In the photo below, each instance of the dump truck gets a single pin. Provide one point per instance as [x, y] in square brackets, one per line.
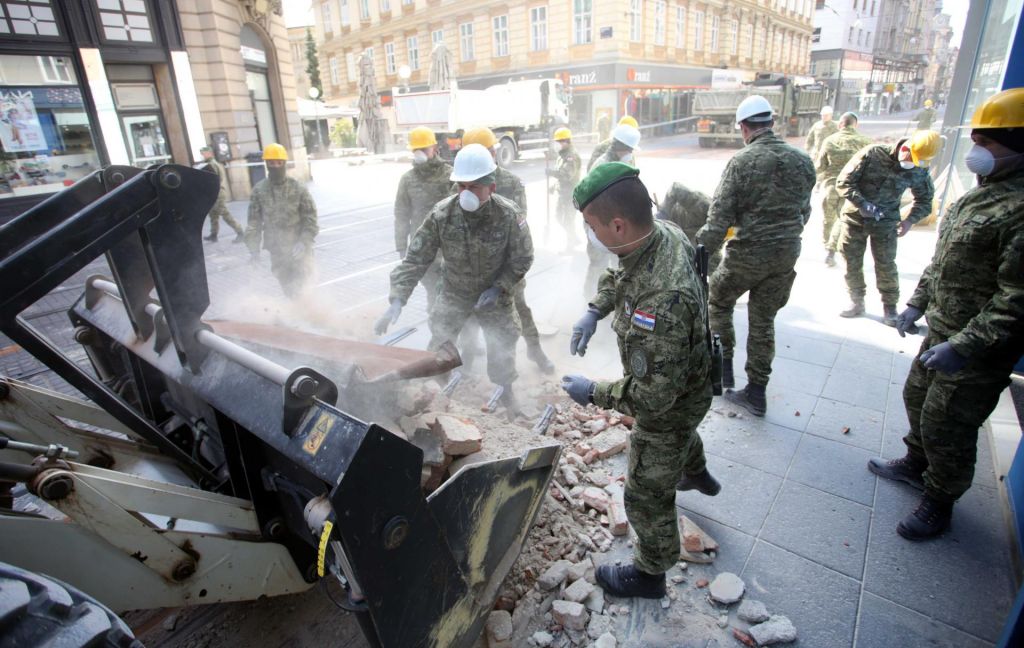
[207, 461]
[522, 114]
[797, 103]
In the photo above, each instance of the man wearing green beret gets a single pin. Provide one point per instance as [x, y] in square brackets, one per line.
[659, 317]
[220, 209]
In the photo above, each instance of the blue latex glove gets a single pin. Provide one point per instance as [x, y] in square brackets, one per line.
[389, 317]
[906, 320]
[488, 298]
[579, 388]
[943, 357]
[870, 210]
[582, 331]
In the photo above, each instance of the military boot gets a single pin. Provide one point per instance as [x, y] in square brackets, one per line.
[728, 378]
[511, 403]
[212, 238]
[906, 469]
[929, 520]
[239, 237]
[703, 482]
[830, 258]
[856, 309]
[750, 397]
[889, 315]
[535, 352]
[626, 581]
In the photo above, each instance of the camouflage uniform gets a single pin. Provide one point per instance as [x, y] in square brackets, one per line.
[874, 175]
[567, 173]
[820, 131]
[833, 154]
[598, 260]
[925, 118]
[765, 192]
[659, 310]
[220, 208]
[282, 214]
[481, 249]
[973, 296]
[420, 188]
[599, 151]
[689, 210]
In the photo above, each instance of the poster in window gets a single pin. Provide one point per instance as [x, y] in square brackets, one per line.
[19, 124]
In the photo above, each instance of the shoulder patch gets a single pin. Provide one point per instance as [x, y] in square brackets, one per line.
[522, 223]
[644, 320]
[638, 363]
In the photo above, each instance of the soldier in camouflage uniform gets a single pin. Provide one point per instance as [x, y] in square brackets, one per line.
[421, 187]
[688, 209]
[872, 183]
[486, 249]
[973, 296]
[606, 143]
[833, 154]
[220, 209]
[820, 131]
[282, 220]
[765, 192]
[567, 173]
[659, 317]
[926, 117]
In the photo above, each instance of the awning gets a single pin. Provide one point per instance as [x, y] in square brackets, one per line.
[309, 109]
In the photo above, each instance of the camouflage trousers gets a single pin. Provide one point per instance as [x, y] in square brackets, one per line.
[431, 283]
[767, 273]
[853, 243]
[470, 336]
[294, 275]
[657, 459]
[500, 325]
[945, 412]
[597, 262]
[567, 216]
[830, 206]
[219, 211]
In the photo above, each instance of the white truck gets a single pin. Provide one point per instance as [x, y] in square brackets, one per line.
[522, 114]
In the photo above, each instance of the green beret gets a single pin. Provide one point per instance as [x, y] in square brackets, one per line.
[600, 178]
[206, 149]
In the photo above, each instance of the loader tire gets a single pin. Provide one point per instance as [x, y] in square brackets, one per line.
[37, 610]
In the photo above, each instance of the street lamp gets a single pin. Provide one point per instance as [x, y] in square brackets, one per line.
[314, 94]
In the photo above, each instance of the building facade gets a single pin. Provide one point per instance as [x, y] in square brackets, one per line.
[627, 56]
[88, 83]
[844, 36]
[901, 53]
[939, 72]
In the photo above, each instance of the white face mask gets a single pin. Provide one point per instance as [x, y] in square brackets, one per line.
[592, 236]
[980, 161]
[419, 157]
[906, 166]
[468, 200]
[626, 158]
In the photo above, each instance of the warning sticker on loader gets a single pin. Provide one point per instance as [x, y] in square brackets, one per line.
[318, 434]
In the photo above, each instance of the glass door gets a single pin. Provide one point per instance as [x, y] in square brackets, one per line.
[146, 142]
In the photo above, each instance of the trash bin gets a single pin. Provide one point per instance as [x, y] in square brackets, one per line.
[257, 171]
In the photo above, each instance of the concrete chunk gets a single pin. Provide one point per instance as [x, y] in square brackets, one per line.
[618, 523]
[499, 629]
[570, 615]
[607, 640]
[600, 624]
[610, 442]
[459, 437]
[777, 629]
[596, 498]
[727, 588]
[752, 611]
[555, 575]
[578, 591]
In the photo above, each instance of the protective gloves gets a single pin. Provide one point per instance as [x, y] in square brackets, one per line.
[903, 228]
[298, 251]
[579, 388]
[943, 357]
[906, 320]
[582, 331]
[488, 298]
[870, 210]
[389, 317]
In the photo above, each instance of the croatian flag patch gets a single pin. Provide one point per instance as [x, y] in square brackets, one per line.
[643, 320]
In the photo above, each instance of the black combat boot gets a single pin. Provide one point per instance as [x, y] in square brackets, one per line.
[905, 469]
[928, 521]
[535, 352]
[856, 309]
[750, 397]
[508, 399]
[728, 378]
[889, 315]
[703, 482]
[626, 581]
[239, 237]
[830, 258]
[212, 238]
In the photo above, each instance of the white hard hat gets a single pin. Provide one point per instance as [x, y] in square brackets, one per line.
[753, 105]
[472, 163]
[826, 110]
[627, 135]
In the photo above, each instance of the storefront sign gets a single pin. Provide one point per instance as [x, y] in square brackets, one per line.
[638, 77]
[19, 124]
[254, 55]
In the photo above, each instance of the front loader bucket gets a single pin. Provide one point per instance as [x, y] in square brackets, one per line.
[431, 569]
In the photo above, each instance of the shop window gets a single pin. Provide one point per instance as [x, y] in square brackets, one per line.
[125, 20]
[28, 18]
[46, 140]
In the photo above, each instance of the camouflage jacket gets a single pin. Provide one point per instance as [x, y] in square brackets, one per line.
[510, 186]
[280, 215]
[973, 290]
[420, 188]
[213, 166]
[874, 175]
[820, 131]
[567, 169]
[836, 151]
[765, 192]
[686, 208]
[488, 247]
[598, 152]
[925, 118]
[660, 310]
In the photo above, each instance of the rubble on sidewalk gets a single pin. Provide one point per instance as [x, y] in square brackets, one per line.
[777, 629]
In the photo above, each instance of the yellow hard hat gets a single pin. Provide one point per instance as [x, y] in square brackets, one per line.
[482, 136]
[928, 103]
[562, 133]
[1003, 110]
[629, 121]
[924, 145]
[421, 137]
[274, 152]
